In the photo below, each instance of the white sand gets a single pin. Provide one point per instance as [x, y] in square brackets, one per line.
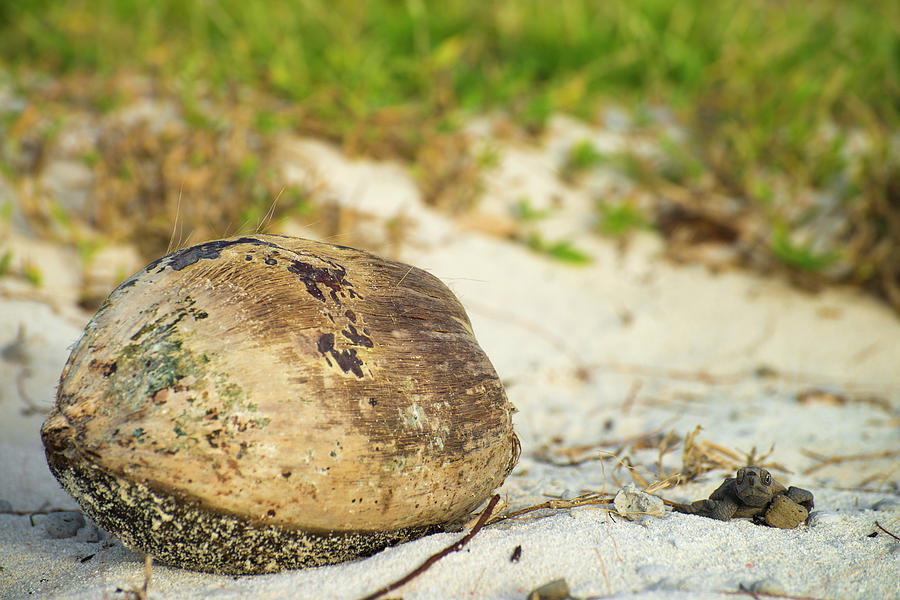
[638, 327]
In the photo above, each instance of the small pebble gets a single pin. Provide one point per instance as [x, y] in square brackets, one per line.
[64, 524]
[5, 506]
[557, 589]
[633, 504]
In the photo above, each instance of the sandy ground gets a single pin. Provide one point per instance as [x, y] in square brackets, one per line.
[628, 345]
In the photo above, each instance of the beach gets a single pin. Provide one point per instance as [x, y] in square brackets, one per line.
[612, 365]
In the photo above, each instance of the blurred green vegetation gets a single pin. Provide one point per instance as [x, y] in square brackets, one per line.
[772, 71]
[561, 250]
[806, 93]
[619, 219]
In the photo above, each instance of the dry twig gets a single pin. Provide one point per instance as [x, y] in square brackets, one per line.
[880, 478]
[878, 525]
[456, 546]
[632, 396]
[824, 461]
[141, 592]
[588, 498]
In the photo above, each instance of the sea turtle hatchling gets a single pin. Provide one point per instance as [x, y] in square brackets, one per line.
[753, 493]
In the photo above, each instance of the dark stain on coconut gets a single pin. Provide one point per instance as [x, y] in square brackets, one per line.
[356, 337]
[208, 251]
[347, 360]
[332, 278]
[326, 343]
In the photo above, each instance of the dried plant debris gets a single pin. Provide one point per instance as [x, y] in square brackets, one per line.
[697, 457]
[147, 172]
[141, 593]
[834, 398]
[587, 498]
[576, 455]
[808, 237]
[164, 160]
[716, 233]
[893, 535]
[700, 457]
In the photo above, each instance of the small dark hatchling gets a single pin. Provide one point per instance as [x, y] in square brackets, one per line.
[753, 493]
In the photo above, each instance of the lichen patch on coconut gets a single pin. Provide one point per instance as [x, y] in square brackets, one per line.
[177, 532]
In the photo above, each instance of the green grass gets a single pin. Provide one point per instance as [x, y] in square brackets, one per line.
[619, 219]
[770, 92]
[524, 211]
[800, 256]
[778, 68]
[582, 157]
[5, 262]
[33, 275]
[561, 250]
[758, 79]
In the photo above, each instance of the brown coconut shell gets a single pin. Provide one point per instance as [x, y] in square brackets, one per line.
[265, 402]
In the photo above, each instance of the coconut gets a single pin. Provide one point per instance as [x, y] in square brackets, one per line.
[264, 402]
